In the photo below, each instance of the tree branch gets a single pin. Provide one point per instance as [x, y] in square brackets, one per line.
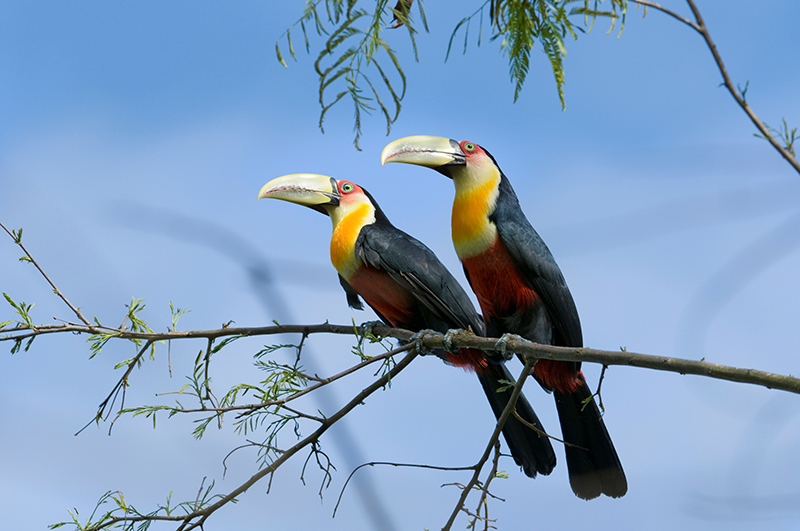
[700, 27]
[197, 518]
[396, 465]
[17, 237]
[248, 409]
[435, 341]
[648, 3]
[512, 402]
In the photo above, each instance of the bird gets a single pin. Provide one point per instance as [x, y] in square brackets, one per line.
[407, 286]
[521, 291]
[404, 7]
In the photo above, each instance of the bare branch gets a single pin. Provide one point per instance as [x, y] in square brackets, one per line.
[682, 366]
[247, 409]
[633, 359]
[431, 341]
[700, 27]
[196, 519]
[397, 465]
[512, 401]
[18, 241]
[105, 407]
[648, 3]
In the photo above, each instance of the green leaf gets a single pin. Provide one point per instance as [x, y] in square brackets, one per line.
[177, 313]
[23, 310]
[787, 136]
[507, 384]
[280, 57]
[349, 56]
[519, 24]
[269, 349]
[98, 341]
[452, 35]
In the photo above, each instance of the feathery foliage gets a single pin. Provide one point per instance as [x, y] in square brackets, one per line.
[355, 61]
[23, 310]
[521, 23]
[785, 135]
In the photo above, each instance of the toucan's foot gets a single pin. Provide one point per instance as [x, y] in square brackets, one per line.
[451, 334]
[417, 340]
[500, 346]
[366, 332]
[366, 327]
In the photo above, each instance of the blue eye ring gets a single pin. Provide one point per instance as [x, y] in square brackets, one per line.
[347, 187]
[469, 146]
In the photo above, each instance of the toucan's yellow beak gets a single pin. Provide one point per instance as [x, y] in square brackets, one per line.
[423, 150]
[307, 189]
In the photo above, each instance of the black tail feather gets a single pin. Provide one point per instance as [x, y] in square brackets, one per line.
[592, 461]
[531, 450]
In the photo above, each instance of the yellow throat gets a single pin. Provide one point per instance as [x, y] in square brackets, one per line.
[477, 187]
[348, 220]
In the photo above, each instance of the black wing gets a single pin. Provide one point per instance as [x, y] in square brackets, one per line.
[353, 300]
[537, 265]
[412, 265]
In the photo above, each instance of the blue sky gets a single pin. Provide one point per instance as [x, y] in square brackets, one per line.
[136, 135]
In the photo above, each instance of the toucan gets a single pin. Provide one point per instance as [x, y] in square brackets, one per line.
[408, 287]
[521, 291]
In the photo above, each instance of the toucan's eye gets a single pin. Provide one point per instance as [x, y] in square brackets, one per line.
[469, 146]
[347, 188]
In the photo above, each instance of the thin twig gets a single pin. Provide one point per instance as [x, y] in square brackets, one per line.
[736, 95]
[225, 459]
[303, 415]
[251, 408]
[207, 378]
[248, 409]
[700, 27]
[599, 386]
[483, 501]
[76, 311]
[399, 465]
[648, 3]
[542, 433]
[199, 492]
[196, 519]
[112, 396]
[512, 401]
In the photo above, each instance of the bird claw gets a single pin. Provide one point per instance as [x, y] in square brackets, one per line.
[500, 346]
[366, 331]
[366, 327]
[447, 340]
[417, 340]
